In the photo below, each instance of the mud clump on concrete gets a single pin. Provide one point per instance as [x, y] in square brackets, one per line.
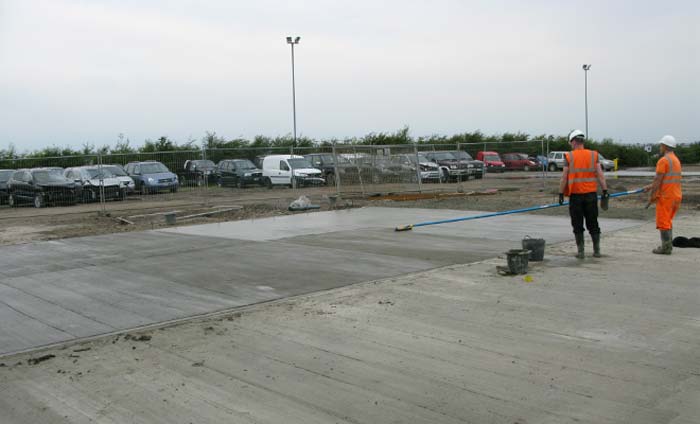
[138, 338]
[40, 359]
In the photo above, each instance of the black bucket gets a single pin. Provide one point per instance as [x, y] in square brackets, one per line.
[518, 260]
[536, 248]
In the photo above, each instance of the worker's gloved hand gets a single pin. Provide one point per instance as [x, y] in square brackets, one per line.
[604, 200]
[561, 198]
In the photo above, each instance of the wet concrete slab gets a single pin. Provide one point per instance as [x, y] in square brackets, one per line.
[601, 340]
[61, 290]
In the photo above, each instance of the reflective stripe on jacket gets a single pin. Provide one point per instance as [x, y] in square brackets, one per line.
[670, 167]
[582, 171]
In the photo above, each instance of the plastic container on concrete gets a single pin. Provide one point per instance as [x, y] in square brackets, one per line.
[536, 248]
[518, 260]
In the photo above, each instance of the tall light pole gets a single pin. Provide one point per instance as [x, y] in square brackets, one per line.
[293, 41]
[586, 68]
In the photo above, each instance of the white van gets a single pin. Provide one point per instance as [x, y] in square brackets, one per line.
[279, 169]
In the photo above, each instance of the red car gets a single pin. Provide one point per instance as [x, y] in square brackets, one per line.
[518, 161]
[492, 162]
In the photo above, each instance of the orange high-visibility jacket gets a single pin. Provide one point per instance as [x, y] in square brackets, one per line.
[670, 166]
[582, 165]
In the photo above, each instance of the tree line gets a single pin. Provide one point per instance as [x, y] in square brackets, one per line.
[628, 154]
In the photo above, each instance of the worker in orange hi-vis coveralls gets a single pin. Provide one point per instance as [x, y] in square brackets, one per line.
[665, 191]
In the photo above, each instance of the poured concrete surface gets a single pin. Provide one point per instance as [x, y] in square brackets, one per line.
[62, 290]
[610, 340]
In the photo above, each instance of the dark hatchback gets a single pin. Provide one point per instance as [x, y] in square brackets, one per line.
[238, 172]
[197, 172]
[5, 175]
[41, 187]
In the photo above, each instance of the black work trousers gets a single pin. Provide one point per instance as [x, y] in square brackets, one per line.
[584, 207]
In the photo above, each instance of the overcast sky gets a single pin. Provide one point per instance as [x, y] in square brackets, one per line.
[75, 71]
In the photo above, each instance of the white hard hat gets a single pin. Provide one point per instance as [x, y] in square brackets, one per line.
[576, 134]
[668, 140]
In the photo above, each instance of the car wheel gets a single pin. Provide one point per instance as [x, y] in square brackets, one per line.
[526, 169]
[39, 201]
[11, 201]
[240, 184]
[268, 182]
[330, 179]
[143, 189]
[552, 167]
[219, 183]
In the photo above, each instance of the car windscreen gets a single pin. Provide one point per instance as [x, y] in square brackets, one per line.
[299, 163]
[522, 156]
[48, 177]
[5, 175]
[494, 158]
[114, 171]
[404, 159]
[244, 165]
[153, 168]
[94, 173]
[203, 164]
[462, 155]
[443, 156]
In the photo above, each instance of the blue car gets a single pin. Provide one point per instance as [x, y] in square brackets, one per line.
[152, 177]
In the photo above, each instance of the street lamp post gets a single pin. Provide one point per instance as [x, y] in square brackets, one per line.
[586, 68]
[293, 41]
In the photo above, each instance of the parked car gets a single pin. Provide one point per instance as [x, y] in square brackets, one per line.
[95, 181]
[237, 172]
[41, 187]
[347, 170]
[450, 167]
[492, 161]
[476, 167]
[429, 171]
[518, 161]
[606, 164]
[556, 160]
[383, 169]
[151, 176]
[290, 170]
[118, 172]
[5, 175]
[197, 172]
[540, 161]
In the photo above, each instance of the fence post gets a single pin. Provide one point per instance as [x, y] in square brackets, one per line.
[359, 173]
[415, 151]
[335, 171]
[103, 206]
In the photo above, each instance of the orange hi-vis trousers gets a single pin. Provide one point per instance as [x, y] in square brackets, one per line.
[666, 209]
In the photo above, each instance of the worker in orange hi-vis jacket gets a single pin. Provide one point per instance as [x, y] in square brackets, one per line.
[665, 191]
[580, 179]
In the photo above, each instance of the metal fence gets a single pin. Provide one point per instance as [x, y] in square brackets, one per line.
[329, 170]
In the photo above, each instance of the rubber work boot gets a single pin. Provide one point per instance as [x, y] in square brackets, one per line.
[596, 245]
[666, 243]
[579, 245]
